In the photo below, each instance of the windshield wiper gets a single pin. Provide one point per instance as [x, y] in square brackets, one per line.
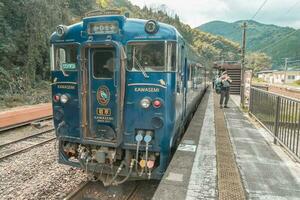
[140, 67]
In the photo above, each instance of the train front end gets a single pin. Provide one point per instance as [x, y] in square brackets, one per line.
[113, 83]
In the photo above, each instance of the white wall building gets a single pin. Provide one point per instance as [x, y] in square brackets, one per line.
[278, 77]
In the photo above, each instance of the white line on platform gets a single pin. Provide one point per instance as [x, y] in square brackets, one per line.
[202, 184]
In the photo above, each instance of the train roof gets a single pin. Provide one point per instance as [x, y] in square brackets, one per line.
[130, 29]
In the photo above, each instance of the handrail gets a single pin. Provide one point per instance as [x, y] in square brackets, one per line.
[280, 115]
[276, 94]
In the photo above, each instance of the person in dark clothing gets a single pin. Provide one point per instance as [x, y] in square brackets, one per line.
[226, 81]
[108, 69]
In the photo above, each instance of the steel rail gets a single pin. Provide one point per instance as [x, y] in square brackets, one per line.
[130, 195]
[27, 137]
[27, 148]
[78, 192]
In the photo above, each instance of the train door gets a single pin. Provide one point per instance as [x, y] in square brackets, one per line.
[104, 94]
[185, 70]
[183, 74]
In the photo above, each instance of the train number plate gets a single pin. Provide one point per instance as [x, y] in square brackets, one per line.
[104, 111]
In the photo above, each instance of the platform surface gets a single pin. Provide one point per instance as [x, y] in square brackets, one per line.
[267, 172]
[22, 115]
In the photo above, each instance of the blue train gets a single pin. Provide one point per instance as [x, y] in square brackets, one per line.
[123, 91]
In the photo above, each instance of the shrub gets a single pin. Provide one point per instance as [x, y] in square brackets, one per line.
[297, 82]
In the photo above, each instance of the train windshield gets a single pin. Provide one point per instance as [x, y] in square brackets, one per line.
[149, 56]
[64, 57]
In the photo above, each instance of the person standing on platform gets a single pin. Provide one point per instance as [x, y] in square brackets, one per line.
[225, 89]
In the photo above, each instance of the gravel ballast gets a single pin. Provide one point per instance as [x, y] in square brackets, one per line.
[36, 174]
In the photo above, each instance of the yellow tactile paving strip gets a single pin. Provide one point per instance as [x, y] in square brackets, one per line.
[230, 185]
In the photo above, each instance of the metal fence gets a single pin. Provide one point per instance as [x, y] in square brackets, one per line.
[280, 115]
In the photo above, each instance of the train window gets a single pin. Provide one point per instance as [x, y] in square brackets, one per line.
[171, 57]
[103, 63]
[65, 57]
[147, 56]
[191, 71]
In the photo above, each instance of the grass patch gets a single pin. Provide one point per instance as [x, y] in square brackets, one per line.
[41, 93]
[258, 80]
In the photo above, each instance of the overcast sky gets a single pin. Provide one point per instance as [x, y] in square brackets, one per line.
[197, 12]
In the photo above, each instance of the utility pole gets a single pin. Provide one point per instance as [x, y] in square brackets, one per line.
[285, 68]
[244, 27]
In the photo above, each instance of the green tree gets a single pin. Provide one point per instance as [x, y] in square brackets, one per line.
[258, 61]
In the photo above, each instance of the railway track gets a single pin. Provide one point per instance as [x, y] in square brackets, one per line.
[26, 143]
[131, 190]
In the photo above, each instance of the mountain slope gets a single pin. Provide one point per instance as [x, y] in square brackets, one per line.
[270, 39]
[208, 45]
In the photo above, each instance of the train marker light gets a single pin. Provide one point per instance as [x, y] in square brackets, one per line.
[150, 164]
[56, 98]
[151, 26]
[143, 163]
[145, 103]
[156, 103]
[64, 98]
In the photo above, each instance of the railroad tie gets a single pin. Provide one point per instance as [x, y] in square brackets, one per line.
[230, 185]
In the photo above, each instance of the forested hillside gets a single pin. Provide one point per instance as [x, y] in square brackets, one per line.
[270, 39]
[208, 45]
[25, 28]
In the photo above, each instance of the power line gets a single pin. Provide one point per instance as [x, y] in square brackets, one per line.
[291, 33]
[291, 8]
[259, 9]
[274, 44]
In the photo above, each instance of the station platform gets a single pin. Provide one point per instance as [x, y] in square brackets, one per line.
[225, 154]
[23, 115]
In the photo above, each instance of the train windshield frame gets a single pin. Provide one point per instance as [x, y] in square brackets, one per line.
[64, 57]
[151, 56]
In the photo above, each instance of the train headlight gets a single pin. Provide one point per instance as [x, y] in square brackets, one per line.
[151, 26]
[61, 30]
[145, 102]
[64, 98]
